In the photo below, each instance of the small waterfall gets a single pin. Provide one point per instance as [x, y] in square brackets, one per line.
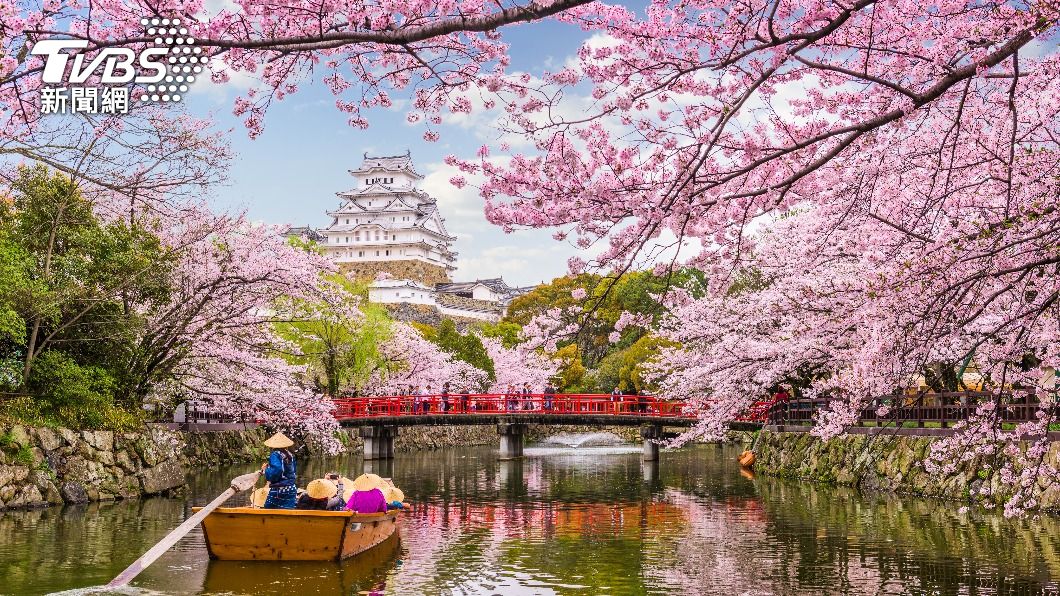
[576, 440]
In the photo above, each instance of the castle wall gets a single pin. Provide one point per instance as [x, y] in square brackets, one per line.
[425, 273]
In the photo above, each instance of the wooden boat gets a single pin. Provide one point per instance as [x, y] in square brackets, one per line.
[363, 572]
[252, 534]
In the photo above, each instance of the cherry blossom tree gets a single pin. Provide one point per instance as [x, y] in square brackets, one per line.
[214, 339]
[414, 361]
[518, 365]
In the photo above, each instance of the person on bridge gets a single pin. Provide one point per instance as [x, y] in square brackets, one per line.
[511, 401]
[528, 397]
[445, 397]
[465, 400]
[550, 396]
[428, 395]
[280, 472]
[417, 399]
[616, 399]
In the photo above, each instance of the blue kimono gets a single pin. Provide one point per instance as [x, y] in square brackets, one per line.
[283, 488]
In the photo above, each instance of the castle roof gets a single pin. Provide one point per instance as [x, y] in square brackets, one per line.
[496, 284]
[388, 163]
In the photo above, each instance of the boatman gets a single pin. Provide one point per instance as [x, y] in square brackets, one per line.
[280, 472]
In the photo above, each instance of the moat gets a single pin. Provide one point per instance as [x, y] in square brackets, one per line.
[593, 520]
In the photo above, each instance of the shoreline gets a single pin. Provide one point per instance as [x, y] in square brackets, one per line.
[43, 467]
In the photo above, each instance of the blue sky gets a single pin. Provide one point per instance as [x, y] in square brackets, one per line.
[290, 174]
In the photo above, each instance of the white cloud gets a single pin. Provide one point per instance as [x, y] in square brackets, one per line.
[238, 83]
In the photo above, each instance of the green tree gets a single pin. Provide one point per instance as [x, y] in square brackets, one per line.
[506, 331]
[73, 291]
[467, 347]
[339, 341]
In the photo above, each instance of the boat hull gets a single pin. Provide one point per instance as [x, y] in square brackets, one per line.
[252, 534]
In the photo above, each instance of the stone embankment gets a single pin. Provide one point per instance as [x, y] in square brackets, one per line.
[417, 438]
[887, 462]
[45, 466]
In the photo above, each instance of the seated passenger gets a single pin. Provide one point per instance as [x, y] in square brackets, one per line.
[367, 495]
[394, 497]
[323, 495]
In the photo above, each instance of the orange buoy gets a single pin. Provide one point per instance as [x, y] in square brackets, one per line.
[747, 459]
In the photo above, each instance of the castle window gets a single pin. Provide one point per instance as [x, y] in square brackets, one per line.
[356, 236]
[360, 253]
[347, 221]
[377, 235]
[347, 239]
[366, 181]
[388, 253]
[377, 253]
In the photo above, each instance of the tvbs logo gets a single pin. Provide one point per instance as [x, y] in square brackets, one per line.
[160, 73]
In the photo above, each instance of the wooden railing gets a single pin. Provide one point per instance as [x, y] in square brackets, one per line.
[920, 409]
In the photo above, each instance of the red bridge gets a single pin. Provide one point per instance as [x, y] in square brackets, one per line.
[380, 417]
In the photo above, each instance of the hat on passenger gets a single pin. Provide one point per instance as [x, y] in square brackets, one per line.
[347, 488]
[366, 482]
[279, 441]
[393, 493]
[321, 488]
[258, 497]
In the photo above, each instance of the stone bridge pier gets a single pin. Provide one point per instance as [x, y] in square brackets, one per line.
[651, 433]
[379, 441]
[512, 436]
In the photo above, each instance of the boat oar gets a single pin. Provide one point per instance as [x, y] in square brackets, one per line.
[239, 484]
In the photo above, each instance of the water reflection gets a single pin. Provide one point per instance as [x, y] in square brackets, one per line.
[589, 521]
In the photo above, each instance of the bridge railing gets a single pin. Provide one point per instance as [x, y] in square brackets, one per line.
[920, 409]
[494, 403]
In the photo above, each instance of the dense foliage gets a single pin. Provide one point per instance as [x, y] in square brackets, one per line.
[592, 333]
[74, 290]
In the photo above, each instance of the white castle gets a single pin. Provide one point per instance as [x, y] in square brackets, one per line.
[386, 218]
[389, 230]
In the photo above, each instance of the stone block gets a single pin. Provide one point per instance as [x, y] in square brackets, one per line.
[127, 462]
[12, 475]
[19, 436]
[105, 457]
[101, 440]
[48, 439]
[73, 492]
[47, 488]
[167, 475]
[70, 437]
[27, 496]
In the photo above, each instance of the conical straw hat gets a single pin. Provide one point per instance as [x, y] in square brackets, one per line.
[321, 488]
[393, 493]
[347, 488]
[258, 497]
[368, 482]
[278, 441]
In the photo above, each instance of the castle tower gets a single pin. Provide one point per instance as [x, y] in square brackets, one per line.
[387, 224]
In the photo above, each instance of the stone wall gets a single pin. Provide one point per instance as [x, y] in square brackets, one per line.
[884, 462]
[409, 269]
[466, 303]
[420, 438]
[426, 314]
[44, 466]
